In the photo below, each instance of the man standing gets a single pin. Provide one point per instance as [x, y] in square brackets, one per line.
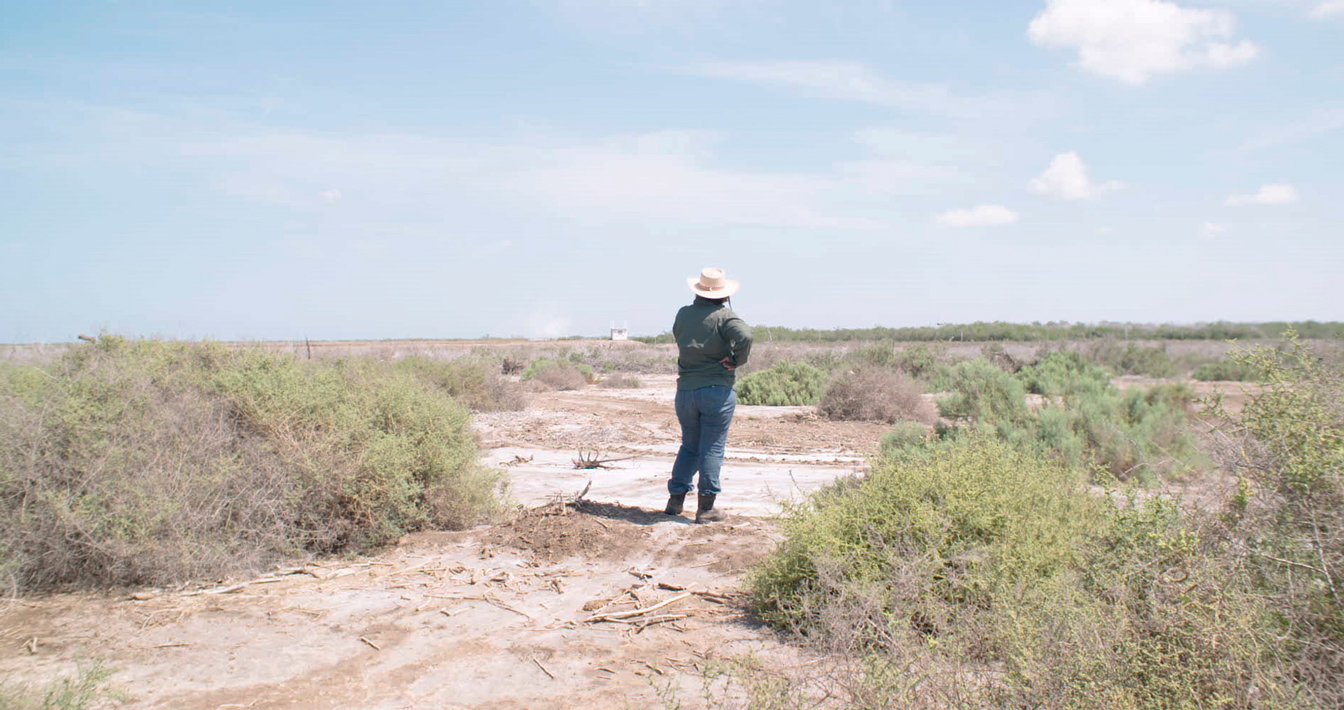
[712, 342]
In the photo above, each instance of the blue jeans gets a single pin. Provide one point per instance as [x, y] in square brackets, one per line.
[704, 415]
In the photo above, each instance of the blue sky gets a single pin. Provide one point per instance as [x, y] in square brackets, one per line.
[545, 167]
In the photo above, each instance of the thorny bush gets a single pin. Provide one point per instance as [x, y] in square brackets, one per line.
[130, 462]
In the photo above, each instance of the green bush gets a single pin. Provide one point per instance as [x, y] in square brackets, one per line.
[150, 462]
[1287, 448]
[979, 553]
[784, 384]
[1063, 372]
[917, 360]
[474, 383]
[903, 437]
[1134, 359]
[982, 393]
[1088, 423]
[1227, 370]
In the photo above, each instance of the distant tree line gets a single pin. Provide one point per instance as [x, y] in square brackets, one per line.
[981, 331]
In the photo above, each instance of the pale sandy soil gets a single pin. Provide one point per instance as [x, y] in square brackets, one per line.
[494, 617]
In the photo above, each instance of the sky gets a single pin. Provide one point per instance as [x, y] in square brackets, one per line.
[542, 168]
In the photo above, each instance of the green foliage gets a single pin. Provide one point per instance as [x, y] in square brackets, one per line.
[1087, 422]
[153, 462]
[88, 686]
[1038, 332]
[1287, 448]
[784, 384]
[903, 437]
[1063, 372]
[474, 383]
[1228, 370]
[983, 394]
[977, 550]
[1134, 359]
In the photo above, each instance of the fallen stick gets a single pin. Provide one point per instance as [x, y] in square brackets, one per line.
[636, 612]
[404, 570]
[650, 619]
[234, 587]
[376, 647]
[506, 607]
[543, 668]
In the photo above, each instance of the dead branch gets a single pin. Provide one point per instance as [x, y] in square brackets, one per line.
[593, 459]
[636, 612]
[234, 587]
[543, 668]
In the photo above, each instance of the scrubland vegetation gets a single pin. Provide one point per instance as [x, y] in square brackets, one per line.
[985, 568]
[1037, 332]
[130, 462]
[86, 688]
[1016, 547]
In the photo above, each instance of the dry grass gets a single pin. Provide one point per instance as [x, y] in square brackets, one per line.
[559, 376]
[142, 462]
[620, 382]
[876, 394]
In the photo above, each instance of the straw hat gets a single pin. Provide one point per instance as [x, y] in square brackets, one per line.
[711, 284]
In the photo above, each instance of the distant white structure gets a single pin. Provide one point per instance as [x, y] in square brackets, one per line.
[621, 333]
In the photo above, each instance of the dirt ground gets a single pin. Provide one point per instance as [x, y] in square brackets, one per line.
[544, 610]
[603, 603]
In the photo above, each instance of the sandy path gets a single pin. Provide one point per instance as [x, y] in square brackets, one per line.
[487, 618]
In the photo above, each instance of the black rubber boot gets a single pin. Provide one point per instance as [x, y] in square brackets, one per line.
[675, 503]
[705, 513]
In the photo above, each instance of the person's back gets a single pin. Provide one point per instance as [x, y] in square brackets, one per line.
[711, 342]
[709, 336]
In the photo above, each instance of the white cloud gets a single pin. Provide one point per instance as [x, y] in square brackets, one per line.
[332, 195]
[1268, 195]
[1135, 40]
[1210, 231]
[851, 81]
[1329, 8]
[980, 216]
[1105, 231]
[1066, 178]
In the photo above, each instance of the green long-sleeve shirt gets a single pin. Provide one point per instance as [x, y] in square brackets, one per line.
[707, 332]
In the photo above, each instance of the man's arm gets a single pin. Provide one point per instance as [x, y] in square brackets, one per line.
[738, 336]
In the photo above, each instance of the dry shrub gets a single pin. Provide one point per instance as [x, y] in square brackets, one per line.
[142, 462]
[876, 394]
[620, 382]
[994, 573]
[558, 374]
[473, 382]
[1286, 447]
[560, 377]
